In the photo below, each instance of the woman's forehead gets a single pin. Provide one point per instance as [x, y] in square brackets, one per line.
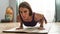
[22, 9]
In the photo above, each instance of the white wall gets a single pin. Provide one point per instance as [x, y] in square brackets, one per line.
[46, 7]
[3, 5]
[19, 1]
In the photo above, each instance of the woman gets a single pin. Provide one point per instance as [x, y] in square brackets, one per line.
[28, 18]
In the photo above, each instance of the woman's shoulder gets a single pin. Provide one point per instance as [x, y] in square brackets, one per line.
[38, 16]
[18, 18]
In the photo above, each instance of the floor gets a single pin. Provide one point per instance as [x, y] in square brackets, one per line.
[55, 28]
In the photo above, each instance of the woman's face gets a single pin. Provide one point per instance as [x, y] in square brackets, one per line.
[24, 12]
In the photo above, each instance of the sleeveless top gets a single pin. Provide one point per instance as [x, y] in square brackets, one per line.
[27, 23]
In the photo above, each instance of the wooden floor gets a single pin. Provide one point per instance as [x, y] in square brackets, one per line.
[55, 28]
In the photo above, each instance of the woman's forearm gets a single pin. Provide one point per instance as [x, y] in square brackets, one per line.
[21, 25]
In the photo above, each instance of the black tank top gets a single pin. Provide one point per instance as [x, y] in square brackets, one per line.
[32, 23]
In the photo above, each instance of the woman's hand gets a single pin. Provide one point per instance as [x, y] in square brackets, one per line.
[19, 28]
[41, 28]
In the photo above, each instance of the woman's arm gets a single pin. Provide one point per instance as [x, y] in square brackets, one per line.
[19, 20]
[41, 19]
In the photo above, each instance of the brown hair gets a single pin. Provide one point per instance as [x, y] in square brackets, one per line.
[26, 5]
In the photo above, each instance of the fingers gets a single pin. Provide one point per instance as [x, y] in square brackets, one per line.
[41, 28]
[18, 28]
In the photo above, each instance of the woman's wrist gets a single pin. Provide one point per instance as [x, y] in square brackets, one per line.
[41, 25]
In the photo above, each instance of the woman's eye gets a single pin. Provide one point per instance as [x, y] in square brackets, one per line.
[20, 12]
[25, 11]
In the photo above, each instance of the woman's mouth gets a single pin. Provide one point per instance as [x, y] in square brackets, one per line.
[24, 17]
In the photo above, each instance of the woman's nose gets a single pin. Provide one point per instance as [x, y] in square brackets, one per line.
[23, 14]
